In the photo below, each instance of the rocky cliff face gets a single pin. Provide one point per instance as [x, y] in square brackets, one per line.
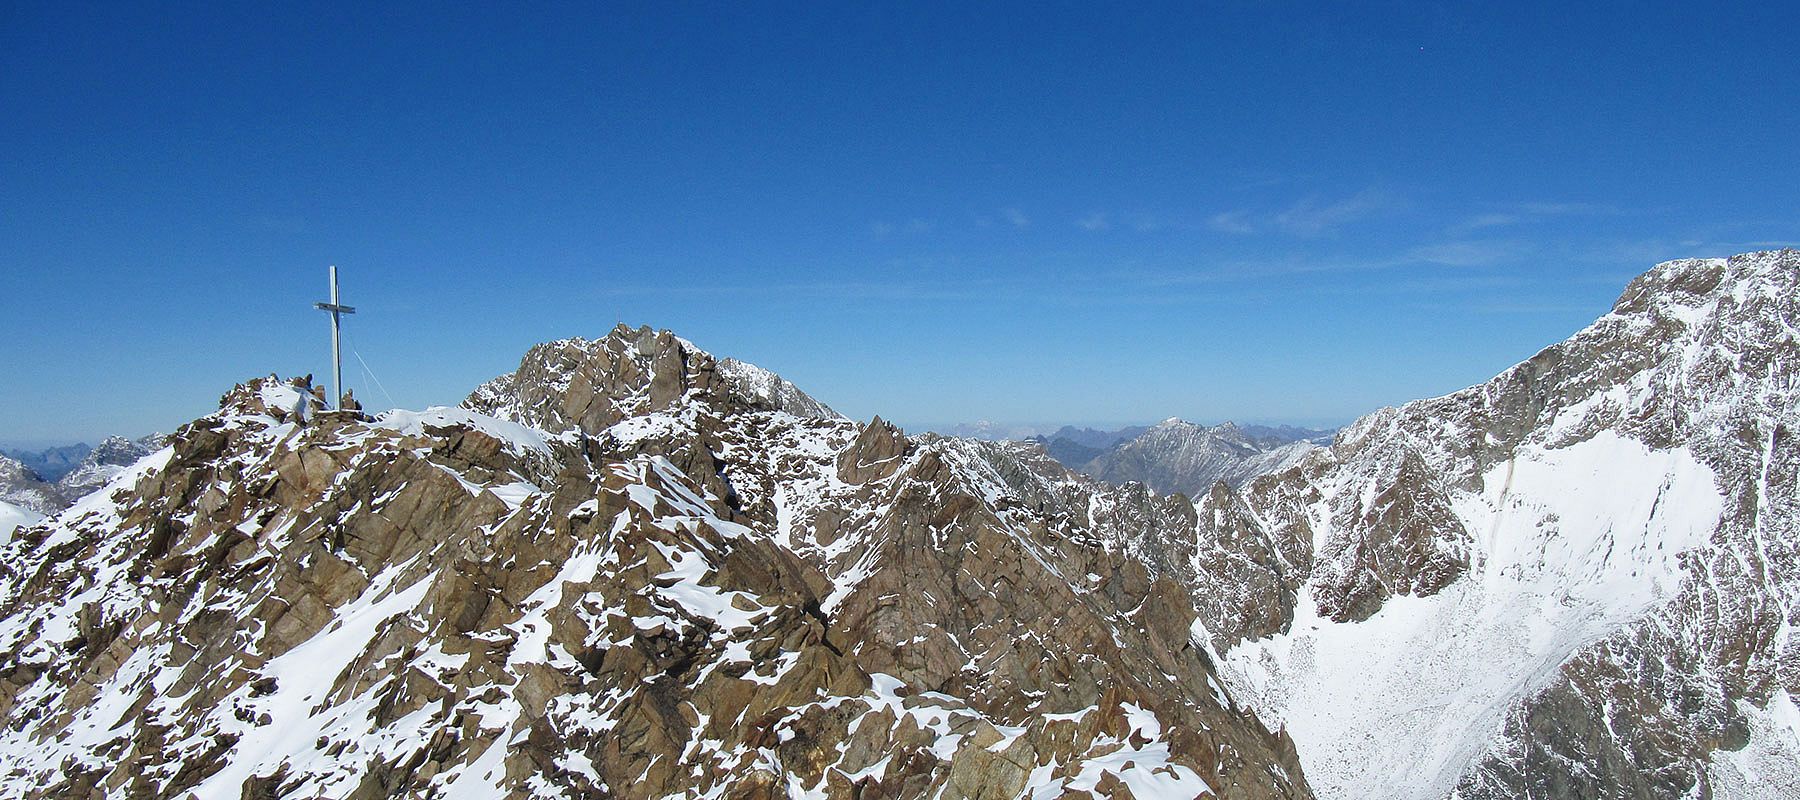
[1575, 580]
[626, 570]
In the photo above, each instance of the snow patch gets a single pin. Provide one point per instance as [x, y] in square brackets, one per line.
[13, 517]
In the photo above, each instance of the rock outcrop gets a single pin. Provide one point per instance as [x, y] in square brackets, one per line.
[591, 385]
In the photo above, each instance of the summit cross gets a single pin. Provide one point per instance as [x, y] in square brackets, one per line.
[337, 362]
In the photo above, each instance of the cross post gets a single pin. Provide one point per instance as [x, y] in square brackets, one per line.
[337, 362]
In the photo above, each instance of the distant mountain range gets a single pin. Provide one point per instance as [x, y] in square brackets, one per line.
[51, 480]
[1180, 456]
[51, 463]
[987, 431]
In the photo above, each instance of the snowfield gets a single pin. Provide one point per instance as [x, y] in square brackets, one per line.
[1570, 544]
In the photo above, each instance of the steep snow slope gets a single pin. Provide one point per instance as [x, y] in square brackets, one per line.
[1577, 579]
[1574, 543]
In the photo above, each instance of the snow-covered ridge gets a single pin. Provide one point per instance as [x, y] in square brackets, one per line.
[1180, 456]
[773, 390]
[616, 573]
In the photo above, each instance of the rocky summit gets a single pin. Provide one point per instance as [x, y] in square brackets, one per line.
[629, 569]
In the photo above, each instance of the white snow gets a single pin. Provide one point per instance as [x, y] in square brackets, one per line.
[1769, 766]
[687, 570]
[1144, 769]
[283, 395]
[13, 517]
[1569, 544]
[304, 678]
[521, 438]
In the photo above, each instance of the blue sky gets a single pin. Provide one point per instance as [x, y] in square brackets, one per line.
[1032, 213]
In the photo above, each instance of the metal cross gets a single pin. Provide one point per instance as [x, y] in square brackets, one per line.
[337, 363]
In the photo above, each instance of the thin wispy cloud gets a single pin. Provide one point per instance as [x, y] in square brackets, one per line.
[1015, 217]
[1478, 253]
[1526, 213]
[1307, 218]
[1481, 221]
[1311, 217]
[1252, 270]
[1148, 224]
[1139, 222]
[1570, 209]
[1235, 222]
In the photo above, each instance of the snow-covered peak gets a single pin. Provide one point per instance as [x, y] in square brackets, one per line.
[773, 391]
[23, 487]
[1684, 341]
